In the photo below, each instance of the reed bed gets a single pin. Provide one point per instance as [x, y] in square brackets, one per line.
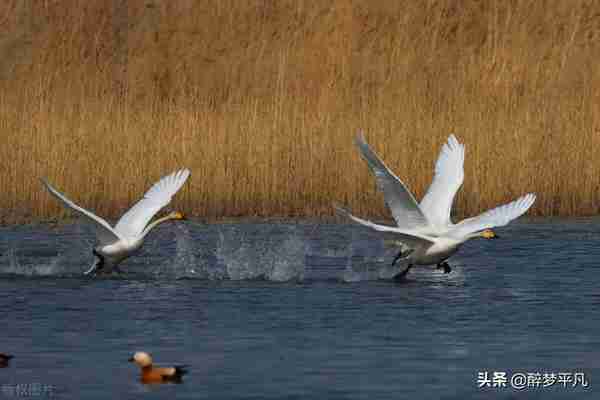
[262, 100]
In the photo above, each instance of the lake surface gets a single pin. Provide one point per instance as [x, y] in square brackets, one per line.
[296, 311]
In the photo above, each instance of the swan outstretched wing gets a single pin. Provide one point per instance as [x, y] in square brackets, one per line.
[133, 222]
[498, 216]
[401, 202]
[104, 232]
[408, 238]
[449, 176]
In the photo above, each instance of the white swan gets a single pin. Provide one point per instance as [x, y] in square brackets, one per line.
[425, 232]
[118, 243]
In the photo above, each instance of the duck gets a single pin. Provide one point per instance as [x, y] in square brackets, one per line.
[4, 359]
[424, 232]
[151, 374]
[115, 244]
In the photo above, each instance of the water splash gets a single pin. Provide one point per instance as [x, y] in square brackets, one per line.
[254, 257]
[365, 259]
[192, 259]
[66, 251]
[244, 251]
[288, 260]
[238, 258]
[13, 263]
[185, 262]
[354, 272]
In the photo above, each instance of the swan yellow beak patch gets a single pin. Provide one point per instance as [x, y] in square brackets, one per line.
[489, 234]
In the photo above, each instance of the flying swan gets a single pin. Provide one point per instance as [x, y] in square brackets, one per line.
[425, 232]
[118, 243]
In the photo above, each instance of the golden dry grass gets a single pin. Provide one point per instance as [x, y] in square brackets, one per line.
[262, 99]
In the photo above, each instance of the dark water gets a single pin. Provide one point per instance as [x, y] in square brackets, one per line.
[284, 311]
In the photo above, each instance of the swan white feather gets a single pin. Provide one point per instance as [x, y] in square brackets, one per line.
[133, 222]
[448, 178]
[118, 243]
[399, 199]
[427, 228]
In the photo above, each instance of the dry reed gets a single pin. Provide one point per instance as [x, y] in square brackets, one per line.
[262, 99]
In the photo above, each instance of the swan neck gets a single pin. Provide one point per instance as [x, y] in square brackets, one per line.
[154, 224]
[473, 235]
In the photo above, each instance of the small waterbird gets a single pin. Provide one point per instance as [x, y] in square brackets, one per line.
[116, 244]
[4, 359]
[425, 233]
[151, 374]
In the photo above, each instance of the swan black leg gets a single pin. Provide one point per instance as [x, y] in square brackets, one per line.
[399, 256]
[97, 265]
[445, 266]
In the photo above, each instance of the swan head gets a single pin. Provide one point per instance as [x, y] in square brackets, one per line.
[488, 234]
[141, 358]
[177, 215]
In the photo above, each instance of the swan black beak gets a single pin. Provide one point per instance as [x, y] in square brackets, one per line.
[130, 359]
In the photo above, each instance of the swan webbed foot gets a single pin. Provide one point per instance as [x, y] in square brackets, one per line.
[91, 270]
[445, 266]
[97, 265]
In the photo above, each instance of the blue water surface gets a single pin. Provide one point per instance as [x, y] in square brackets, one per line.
[296, 311]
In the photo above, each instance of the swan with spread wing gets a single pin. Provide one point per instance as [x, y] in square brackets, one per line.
[425, 232]
[119, 242]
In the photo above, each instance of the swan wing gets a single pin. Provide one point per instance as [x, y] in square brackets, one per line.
[498, 216]
[408, 238]
[104, 232]
[448, 178]
[401, 202]
[133, 222]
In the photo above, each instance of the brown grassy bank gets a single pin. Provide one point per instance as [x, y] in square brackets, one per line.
[261, 100]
